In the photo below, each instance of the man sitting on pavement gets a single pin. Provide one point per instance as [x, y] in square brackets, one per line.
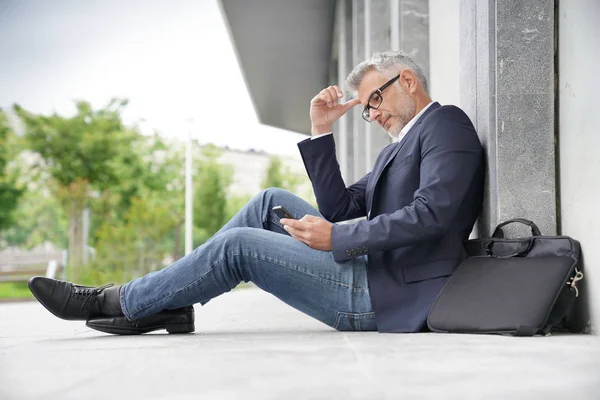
[381, 273]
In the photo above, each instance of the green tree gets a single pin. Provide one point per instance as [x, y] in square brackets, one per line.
[156, 184]
[81, 155]
[10, 193]
[211, 184]
[135, 245]
[38, 219]
[281, 176]
[235, 202]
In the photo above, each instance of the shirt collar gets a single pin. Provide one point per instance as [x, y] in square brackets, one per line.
[413, 121]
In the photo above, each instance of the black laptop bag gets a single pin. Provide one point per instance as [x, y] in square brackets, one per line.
[521, 287]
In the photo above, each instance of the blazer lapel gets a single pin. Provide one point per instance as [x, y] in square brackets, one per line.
[377, 174]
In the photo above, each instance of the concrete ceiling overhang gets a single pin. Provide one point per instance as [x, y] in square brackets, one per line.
[284, 49]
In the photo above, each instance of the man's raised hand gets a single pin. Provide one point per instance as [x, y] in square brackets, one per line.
[325, 109]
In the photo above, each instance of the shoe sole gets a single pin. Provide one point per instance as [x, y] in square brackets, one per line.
[173, 329]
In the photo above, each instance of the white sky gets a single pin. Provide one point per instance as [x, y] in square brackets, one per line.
[172, 59]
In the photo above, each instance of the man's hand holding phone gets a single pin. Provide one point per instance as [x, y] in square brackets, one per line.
[313, 231]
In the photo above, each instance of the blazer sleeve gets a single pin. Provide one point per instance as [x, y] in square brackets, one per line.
[336, 201]
[451, 154]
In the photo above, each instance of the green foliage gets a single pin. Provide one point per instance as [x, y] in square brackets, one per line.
[210, 195]
[10, 193]
[134, 246]
[151, 168]
[139, 220]
[38, 219]
[235, 204]
[82, 154]
[281, 176]
[83, 147]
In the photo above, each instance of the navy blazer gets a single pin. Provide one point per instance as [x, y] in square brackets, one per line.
[421, 201]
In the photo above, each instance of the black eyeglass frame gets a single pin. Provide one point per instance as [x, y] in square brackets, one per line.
[365, 114]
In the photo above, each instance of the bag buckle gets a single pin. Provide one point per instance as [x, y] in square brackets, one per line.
[573, 282]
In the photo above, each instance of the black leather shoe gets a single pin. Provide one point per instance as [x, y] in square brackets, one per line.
[65, 299]
[180, 320]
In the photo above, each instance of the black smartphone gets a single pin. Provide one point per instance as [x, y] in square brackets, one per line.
[281, 212]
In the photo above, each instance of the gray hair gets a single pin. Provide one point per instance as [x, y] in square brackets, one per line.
[388, 63]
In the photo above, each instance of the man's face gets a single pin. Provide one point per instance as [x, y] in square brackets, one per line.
[398, 106]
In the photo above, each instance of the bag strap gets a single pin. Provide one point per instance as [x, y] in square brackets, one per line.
[535, 231]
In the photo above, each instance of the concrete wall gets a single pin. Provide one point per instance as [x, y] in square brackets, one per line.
[579, 140]
[444, 63]
[507, 89]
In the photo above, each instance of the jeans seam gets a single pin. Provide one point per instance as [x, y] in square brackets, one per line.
[363, 315]
[222, 261]
[336, 322]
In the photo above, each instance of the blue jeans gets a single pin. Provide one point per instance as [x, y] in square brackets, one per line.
[253, 246]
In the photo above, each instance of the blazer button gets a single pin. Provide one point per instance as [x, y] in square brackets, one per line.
[365, 249]
[353, 252]
[348, 253]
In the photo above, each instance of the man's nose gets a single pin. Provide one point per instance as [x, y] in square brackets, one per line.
[374, 114]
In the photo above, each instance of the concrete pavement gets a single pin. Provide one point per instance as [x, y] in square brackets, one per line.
[250, 345]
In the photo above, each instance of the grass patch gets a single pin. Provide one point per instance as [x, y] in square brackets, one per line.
[14, 290]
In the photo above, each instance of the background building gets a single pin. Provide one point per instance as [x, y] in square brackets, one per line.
[522, 70]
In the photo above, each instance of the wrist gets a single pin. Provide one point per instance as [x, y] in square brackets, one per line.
[321, 129]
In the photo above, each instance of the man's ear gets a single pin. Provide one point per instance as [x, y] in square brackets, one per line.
[409, 81]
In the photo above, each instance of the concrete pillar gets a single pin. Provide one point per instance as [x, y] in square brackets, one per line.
[507, 89]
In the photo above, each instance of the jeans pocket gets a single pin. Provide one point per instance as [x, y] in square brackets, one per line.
[345, 321]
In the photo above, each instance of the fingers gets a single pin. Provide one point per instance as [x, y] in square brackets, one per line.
[297, 228]
[300, 239]
[335, 93]
[310, 218]
[298, 234]
[329, 96]
[296, 224]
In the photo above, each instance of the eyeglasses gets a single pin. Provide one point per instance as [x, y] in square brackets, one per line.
[375, 99]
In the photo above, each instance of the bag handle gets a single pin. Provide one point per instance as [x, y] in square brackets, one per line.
[535, 231]
[522, 252]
